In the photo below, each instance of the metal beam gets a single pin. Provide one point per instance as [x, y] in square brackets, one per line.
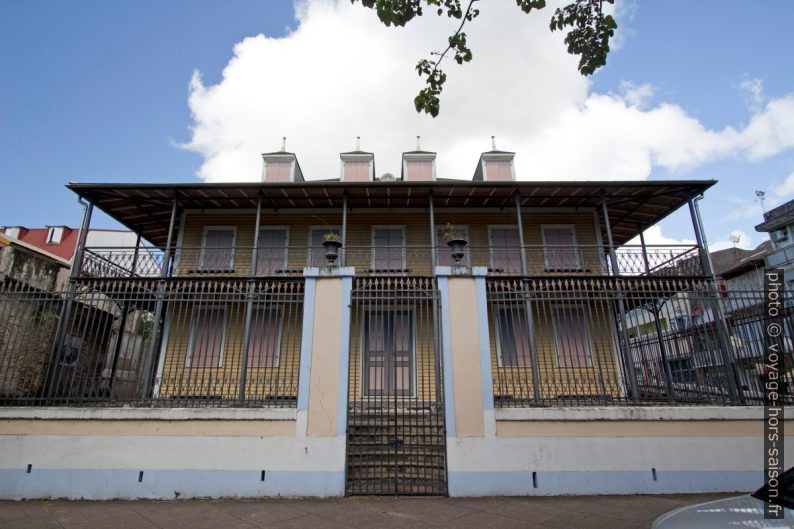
[249, 299]
[433, 249]
[717, 313]
[526, 297]
[628, 359]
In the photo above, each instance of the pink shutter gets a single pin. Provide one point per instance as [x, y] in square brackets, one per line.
[521, 333]
[356, 171]
[561, 253]
[272, 251]
[418, 171]
[505, 250]
[388, 249]
[573, 338]
[376, 354]
[402, 351]
[207, 337]
[498, 170]
[263, 345]
[278, 172]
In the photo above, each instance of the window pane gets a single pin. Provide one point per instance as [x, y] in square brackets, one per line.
[573, 338]
[208, 330]
[263, 345]
[272, 253]
[218, 251]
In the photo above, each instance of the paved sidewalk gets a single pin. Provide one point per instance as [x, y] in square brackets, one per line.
[572, 512]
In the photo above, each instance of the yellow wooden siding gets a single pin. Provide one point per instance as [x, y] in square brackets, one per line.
[602, 378]
[182, 381]
[417, 236]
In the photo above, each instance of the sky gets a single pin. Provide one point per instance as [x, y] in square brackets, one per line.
[193, 90]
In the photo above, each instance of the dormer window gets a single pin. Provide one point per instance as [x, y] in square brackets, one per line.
[419, 165]
[54, 234]
[12, 231]
[358, 165]
[495, 166]
[281, 166]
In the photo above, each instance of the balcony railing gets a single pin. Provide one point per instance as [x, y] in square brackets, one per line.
[622, 341]
[196, 262]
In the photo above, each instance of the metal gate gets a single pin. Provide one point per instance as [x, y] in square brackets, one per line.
[395, 422]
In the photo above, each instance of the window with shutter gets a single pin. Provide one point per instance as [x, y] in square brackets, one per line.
[514, 349]
[217, 252]
[559, 248]
[265, 340]
[207, 335]
[388, 249]
[505, 250]
[271, 256]
[572, 337]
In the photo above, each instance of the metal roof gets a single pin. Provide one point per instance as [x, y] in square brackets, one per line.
[633, 206]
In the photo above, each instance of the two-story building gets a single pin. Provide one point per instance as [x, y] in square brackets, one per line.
[408, 335]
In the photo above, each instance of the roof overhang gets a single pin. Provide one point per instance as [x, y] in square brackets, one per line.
[633, 206]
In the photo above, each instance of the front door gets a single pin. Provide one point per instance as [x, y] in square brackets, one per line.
[388, 352]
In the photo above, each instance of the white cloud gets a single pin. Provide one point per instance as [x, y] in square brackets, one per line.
[341, 74]
[753, 89]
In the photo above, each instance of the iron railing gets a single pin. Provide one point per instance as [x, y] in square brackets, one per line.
[622, 341]
[404, 260]
[395, 425]
[146, 342]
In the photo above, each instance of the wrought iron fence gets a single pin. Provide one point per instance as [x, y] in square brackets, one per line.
[402, 260]
[147, 342]
[622, 341]
[395, 427]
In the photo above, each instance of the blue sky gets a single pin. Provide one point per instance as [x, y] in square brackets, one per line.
[97, 91]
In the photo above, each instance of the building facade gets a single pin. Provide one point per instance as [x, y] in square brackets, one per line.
[393, 336]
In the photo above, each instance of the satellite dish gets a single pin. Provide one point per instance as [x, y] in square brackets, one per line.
[735, 238]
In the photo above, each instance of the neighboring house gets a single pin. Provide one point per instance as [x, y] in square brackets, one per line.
[693, 352]
[779, 224]
[322, 338]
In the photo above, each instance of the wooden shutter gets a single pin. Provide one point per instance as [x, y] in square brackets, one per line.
[265, 338]
[505, 250]
[207, 337]
[272, 252]
[218, 250]
[572, 337]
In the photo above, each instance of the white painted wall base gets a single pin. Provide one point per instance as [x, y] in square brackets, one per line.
[97, 467]
[605, 465]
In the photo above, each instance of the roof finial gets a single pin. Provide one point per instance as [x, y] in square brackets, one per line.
[418, 145]
[493, 143]
[358, 143]
[283, 144]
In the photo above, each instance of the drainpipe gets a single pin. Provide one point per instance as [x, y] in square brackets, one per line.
[69, 296]
[717, 313]
[628, 358]
[525, 295]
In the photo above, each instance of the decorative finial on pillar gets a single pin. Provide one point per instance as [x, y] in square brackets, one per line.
[493, 143]
[418, 145]
[284, 144]
[358, 143]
